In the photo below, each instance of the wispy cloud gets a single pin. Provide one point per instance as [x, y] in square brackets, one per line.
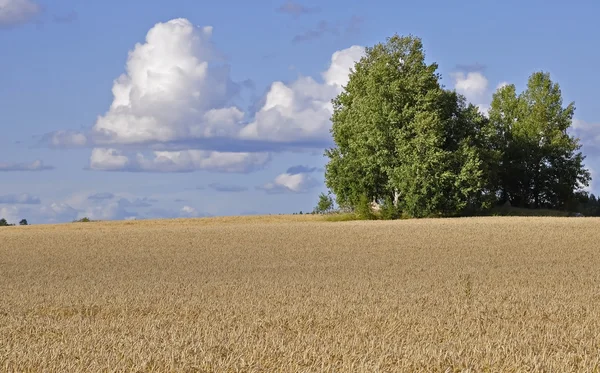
[475, 67]
[228, 188]
[324, 28]
[177, 162]
[17, 12]
[101, 196]
[66, 18]
[296, 179]
[137, 202]
[37, 165]
[301, 170]
[355, 24]
[296, 9]
[21, 199]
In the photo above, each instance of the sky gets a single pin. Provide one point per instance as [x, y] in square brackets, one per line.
[153, 109]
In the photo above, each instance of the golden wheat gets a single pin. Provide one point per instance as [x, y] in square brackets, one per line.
[296, 294]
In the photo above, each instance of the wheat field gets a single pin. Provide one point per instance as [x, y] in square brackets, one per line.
[298, 294]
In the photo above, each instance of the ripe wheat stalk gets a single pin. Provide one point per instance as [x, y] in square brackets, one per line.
[297, 294]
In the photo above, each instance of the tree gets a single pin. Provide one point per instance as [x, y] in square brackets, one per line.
[324, 205]
[23, 222]
[3, 223]
[541, 166]
[364, 210]
[398, 132]
[388, 210]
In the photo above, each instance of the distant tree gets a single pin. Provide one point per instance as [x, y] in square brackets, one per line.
[364, 210]
[325, 204]
[3, 223]
[23, 222]
[541, 165]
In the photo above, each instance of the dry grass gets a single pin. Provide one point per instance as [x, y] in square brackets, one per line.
[295, 294]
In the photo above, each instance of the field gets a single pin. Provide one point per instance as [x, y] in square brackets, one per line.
[297, 294]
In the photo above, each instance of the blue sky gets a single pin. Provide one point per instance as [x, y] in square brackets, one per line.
[233, 118]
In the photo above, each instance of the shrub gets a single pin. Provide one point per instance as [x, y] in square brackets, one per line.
[388, 211]
[363, 210]
[325, 204]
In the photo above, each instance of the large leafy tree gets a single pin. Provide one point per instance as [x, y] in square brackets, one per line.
[398, 132]
[369, 114]
[541, 165]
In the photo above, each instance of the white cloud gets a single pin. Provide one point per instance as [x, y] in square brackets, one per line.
[177, 161]
[64, 138]
[502, 85]
[588, 133]
[296, 9]
[15, 12]
[187, 211]
[342, 61]
[171, 90]
[37, 165]
[11, 214]
[173, 107]
[475, 87]
[109, 206]
[96, 206]
[21, 199]
[297, 179]
[113, 210]
[302, 109]
[472, 85]
[296, 183]
[175, 96]
[108, 160]
[55, 212]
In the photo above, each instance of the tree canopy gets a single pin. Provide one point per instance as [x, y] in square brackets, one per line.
[400, 135]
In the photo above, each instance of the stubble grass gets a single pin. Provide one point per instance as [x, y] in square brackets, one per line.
[299, 294]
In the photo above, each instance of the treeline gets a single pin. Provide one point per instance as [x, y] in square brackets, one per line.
[404, 141]
[5, 223]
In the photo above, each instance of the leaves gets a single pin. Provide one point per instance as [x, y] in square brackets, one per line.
[396, 129]
[541, 164]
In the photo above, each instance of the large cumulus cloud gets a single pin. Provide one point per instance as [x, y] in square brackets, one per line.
[173, 109]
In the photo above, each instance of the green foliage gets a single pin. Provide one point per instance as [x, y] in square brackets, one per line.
[588, 205]
[396, 129]
[349, 216]
[388, 211]
[23, 222]
[363, 209]
[325, 204]
[521, 211]
[3, 223]
[82, 220]
[541, 165]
